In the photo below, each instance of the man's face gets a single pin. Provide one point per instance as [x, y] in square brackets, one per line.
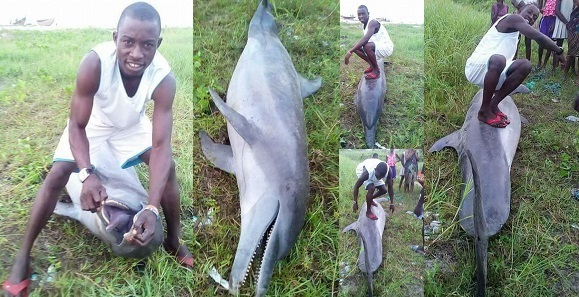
[530, 13]
[137, 42]
[363, 15]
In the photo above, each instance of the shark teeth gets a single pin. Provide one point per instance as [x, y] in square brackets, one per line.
[259, 252]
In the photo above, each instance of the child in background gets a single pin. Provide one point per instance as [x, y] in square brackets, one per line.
[573, 40]
[498, 10]
[546, 27]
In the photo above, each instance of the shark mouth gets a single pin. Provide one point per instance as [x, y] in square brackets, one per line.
[260, 250]
[117, 217]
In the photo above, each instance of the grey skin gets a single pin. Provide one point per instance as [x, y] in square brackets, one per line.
[113, 223]
[370, 239]
[268, 151]
[492, 151]
[369, 100]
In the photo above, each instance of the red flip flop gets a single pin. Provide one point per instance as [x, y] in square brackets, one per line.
[15, 289]
[504, 117]
[372, 216]
[496, 122]
[368, 70]
[372, 76]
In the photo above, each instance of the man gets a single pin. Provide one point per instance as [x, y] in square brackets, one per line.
[370, 174]
[391, 161]
[113, 84]
[491, 65]
[410, 169]
[375, 44]
[419, 210]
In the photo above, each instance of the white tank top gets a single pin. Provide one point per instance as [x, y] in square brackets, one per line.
[495, 42]
[112, 106]
[370, 165]
[380, 37]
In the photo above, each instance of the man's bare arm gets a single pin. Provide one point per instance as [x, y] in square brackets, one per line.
[372, 25]
[86, 86]
[160, 158]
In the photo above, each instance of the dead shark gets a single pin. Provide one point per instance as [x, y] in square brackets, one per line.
[491, 153]
[268, 151]
[113, 222]
[370, 239]
[369, 100]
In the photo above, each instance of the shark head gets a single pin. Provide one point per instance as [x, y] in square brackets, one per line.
[269, 229]
[263, 22]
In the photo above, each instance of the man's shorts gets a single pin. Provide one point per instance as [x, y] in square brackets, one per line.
[383, 50]
[393, 172]
[126, 144]
[359, 172]
[475, 72]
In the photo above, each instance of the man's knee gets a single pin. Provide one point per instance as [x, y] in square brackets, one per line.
[497, 63]
[525, 66]
[369, 46]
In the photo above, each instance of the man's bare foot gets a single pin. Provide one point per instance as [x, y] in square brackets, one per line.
[177, 248]
[374, 203]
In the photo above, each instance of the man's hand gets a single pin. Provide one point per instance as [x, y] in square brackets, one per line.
[144, 228]
[355, 207]
[347, 58]
[392, 207]
[93, 194]
[562, 60]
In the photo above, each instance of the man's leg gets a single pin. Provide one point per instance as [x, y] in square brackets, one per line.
[42, 208]
[360, 52]
[496, 65]
[381, 190]
[171, 206]
[528, 48]
[516, 74]
[369, 49]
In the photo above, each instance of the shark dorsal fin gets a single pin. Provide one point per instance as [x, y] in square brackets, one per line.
[245, 128]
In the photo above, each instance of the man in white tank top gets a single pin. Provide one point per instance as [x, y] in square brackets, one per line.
[113, 84]
[491, 65]
[371, 173]
[375, 44]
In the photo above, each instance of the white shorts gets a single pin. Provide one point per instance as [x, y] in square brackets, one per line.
[126, 144]
[383, 50]
[360, 170]
[475, 72]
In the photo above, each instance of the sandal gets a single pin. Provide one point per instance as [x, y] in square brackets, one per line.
[372, 216]
[15, 289]
[503, 117]
[368, 70]
[372, 76]
[185, 261]
[496, 122]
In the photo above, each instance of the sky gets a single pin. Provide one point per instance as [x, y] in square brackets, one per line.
[399, 11]
[92, 13]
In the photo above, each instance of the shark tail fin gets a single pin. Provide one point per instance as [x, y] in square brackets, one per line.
[481, 237]
[245, 128]
[450, 140]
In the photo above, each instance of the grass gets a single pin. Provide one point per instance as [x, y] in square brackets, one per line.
[535, 253]
[400, 124]
[401, 271]
[309, 32]
[37, 72]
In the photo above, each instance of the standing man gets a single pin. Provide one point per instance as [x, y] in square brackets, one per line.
[373, 46]
[370, 174]
[491, 65]
[114, 83]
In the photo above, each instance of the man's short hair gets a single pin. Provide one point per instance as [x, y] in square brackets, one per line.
[375, 155]
[363, 7]
[382, 169]
[141, 11]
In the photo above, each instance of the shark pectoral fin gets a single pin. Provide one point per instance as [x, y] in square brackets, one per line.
[66, 210]
[309, 87]
[247, 130]
[353, 226]
[381, 199]
[450, 140]
[219, 154]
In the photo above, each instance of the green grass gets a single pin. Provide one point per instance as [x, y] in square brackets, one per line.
[37, 72]
[401, 271]
[402, 116]
[309, 31]
[535, 253]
